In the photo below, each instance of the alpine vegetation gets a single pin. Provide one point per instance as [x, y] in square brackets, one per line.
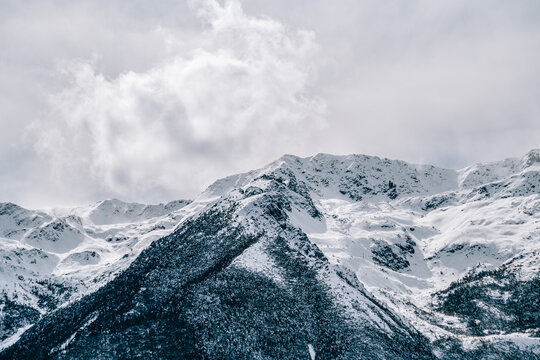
[325, 257]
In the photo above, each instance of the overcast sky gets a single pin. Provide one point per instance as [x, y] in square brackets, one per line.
[152, 101]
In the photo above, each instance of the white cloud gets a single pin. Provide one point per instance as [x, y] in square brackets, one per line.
[447, 82]
[232, 102]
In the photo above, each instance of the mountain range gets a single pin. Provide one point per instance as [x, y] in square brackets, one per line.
[325, 257]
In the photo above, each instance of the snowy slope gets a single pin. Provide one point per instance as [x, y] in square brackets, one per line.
[408, 249]
[410, 232]
[451, 253]
[236, 280]
[50, 258]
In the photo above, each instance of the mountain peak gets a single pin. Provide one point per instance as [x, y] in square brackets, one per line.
[343, 256]
[531, 158]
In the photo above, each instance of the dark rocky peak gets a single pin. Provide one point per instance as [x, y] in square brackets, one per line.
[182, 298]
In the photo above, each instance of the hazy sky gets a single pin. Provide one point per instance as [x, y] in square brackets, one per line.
[152, 101]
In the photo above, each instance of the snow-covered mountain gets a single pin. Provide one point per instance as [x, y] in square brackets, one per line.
[50, 258]
[327, 256]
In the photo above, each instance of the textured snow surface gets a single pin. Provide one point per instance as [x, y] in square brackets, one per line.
[13, 338]
[50, 258]
[394, 232]
[438, 225]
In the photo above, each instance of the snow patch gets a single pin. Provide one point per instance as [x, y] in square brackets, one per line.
[311, 351]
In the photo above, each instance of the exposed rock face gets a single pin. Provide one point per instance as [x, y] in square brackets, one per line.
[184, 297]
[338, 257]
[48, 259]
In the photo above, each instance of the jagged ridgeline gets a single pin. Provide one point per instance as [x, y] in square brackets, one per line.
[326, 257]
[183, 297]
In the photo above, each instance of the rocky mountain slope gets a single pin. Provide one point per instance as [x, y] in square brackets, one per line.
[329, 256]
[50, 258]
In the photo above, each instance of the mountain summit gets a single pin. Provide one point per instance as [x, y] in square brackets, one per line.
[327, 257]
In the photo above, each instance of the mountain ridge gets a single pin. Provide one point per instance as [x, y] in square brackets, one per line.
[411, 238]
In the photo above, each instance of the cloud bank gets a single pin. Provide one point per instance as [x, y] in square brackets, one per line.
[150, 101]
[240, 95]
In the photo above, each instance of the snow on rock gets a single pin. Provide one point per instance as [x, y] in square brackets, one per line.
[115, 211]
[48, 259]
[414, 240]
[256, 259]
[409, 231]
[311, 351]
[15, 221]
[83, 258]
[58, 236]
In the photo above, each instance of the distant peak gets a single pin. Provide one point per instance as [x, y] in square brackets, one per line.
[9, 207]
[112, 201]
[289, 158]
[531, 158]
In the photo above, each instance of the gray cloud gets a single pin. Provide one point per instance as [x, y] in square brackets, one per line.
[154, 102]
[447, 82]
[229, 103]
